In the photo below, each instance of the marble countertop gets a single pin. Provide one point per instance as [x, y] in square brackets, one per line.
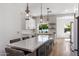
[30, 44]
[45, 33]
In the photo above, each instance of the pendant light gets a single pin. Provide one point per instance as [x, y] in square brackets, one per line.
[27, 12]
[27, 17]
[41, 16]
[48, 13]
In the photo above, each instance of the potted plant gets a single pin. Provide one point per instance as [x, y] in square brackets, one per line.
[43, 28]
[68, 28]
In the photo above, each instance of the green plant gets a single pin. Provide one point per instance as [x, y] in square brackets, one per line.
[43, 26]
[40, 27]
[68, 28]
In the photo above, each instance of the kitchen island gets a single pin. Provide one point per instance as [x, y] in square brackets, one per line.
[40, 45]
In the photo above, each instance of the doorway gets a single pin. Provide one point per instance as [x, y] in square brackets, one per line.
[65, 31]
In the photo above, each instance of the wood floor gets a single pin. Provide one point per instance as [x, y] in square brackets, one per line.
[61, 48]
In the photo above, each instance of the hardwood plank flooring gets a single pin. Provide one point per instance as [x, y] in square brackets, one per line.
[61, 48]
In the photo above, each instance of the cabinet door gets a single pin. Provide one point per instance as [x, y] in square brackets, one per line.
[41, 51]
[50, 47]
[47, 48]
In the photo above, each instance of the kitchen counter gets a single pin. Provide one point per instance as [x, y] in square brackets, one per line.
[31, 44]
[45, 33]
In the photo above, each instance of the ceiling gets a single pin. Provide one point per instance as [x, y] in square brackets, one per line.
[56, 8]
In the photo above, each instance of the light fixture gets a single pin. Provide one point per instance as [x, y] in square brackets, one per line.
[41, 16]
[48, 12]
[27, 17]
[29, 21]
[27, 12]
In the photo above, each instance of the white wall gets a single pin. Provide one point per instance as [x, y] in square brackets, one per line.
[60, 28]
[11, 22]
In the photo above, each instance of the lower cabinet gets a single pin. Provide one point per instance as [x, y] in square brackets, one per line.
[41, 51]
[48, 47]
[45, 49]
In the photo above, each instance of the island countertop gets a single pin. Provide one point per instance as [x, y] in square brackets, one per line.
[30, 44]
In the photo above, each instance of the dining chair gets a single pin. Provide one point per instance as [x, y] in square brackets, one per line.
[13, 52]
[24, 38]
[14, 40]
[17, 52]
[34, 35]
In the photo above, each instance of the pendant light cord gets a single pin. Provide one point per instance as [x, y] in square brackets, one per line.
[41, 17]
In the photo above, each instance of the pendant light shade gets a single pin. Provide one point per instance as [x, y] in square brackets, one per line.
[29, 21]
[27, 12]
[48, 13]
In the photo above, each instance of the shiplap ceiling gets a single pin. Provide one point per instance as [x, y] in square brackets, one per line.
[56, 8]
